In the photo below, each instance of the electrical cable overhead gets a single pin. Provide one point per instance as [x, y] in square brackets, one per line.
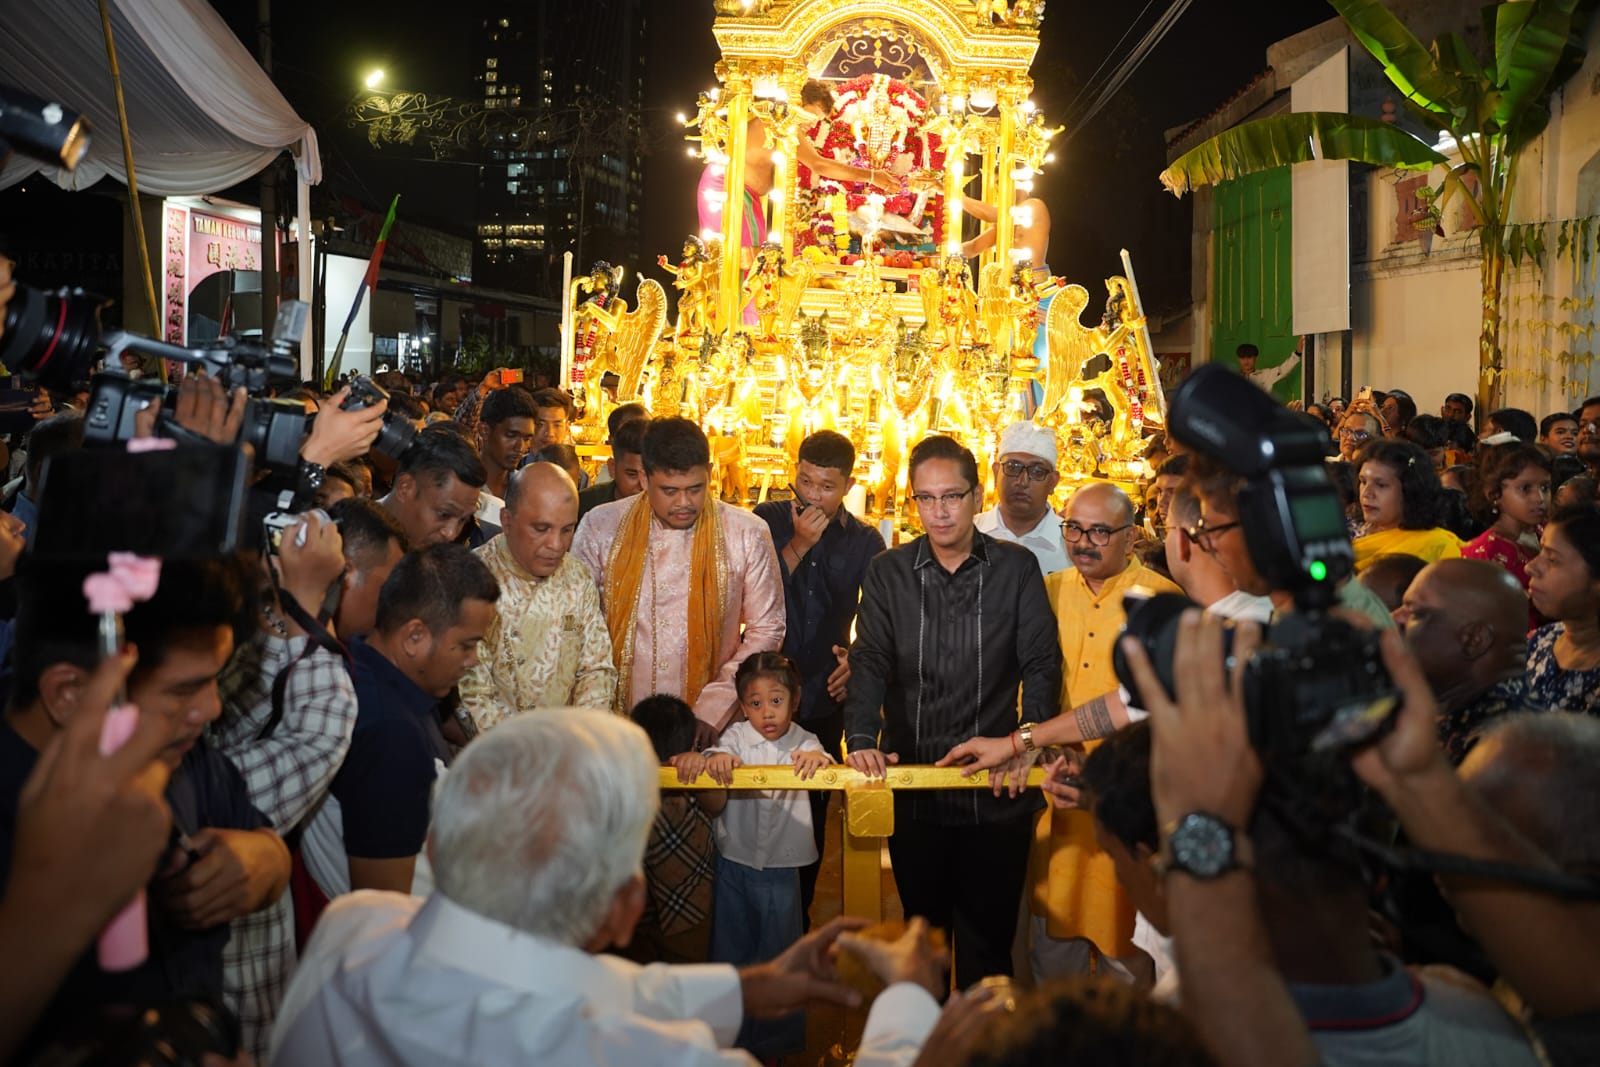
[1088, 82]
[1134, 60]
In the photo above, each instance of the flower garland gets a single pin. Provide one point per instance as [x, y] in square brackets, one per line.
[1138, 392]
[583, 350]
[874, 98]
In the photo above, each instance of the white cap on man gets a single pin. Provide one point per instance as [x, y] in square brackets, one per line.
[1028, 438]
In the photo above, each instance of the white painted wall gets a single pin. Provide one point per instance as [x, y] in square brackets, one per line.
[1418, 331]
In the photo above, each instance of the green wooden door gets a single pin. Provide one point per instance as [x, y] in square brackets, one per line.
[1252, 275]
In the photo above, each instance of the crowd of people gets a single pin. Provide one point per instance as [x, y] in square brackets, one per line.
[393, 789]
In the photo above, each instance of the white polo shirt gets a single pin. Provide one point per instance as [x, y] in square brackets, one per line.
[1046, 540]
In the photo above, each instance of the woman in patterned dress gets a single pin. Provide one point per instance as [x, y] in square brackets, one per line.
[1564, 582]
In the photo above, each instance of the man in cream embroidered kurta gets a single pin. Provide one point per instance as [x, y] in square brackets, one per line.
[549, 645]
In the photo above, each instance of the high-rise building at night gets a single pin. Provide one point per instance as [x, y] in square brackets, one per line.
[565, 173]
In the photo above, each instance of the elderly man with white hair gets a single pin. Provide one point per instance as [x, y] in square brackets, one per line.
[1024, 477]
[537, 850]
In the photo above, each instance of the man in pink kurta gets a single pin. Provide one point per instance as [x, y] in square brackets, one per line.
[677, 462]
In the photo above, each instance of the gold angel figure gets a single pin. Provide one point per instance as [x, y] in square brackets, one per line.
[1143, 375]
[636, 335]
[690, 276]
[1023, 298]
[948, 303]
[1072, 346]
[597, 311]
[867, 303]
[994, 307]
[763, 289]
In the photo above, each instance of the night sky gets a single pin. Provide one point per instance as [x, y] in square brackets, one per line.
[1102, 190]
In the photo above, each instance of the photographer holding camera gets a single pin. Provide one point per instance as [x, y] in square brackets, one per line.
[1203, 761]
[290, 708]
[1261, 742]
[1269, 921]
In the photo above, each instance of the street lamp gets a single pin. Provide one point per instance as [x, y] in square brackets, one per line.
[374, 79]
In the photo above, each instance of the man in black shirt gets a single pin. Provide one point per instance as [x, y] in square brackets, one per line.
[824, 552]
[433, 611]
[231, 863]
[626, 463]
[950, 626]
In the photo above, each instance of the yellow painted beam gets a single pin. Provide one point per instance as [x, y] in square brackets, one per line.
[868, 813]
[842, 777]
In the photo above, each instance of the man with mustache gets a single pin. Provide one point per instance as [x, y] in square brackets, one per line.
[1024, 477]
[1589, 434]
[689, 585]
[1078, 908]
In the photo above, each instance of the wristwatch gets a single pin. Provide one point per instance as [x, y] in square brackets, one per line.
[1025, 732]
[1204, 846]
[312, 475]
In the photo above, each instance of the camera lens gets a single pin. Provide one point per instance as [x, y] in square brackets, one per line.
[51, 337]
[396, 436]
[1153, 622]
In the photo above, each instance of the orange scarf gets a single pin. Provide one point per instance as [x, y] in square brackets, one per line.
[626, 565]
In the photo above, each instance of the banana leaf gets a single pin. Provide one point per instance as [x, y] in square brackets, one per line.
[1404, 60]
[1455, 182]
[1478, 97]
[1300, 137]
[1532, 39]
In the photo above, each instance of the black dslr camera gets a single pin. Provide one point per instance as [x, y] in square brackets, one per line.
[1317, 683]
[52, 338]
[273, 428]
[398, 431]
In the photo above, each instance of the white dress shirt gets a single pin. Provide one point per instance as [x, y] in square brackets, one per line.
[1241, 606]
[1265, 378]
[393, 981]
[1045, 540]
[772, 827]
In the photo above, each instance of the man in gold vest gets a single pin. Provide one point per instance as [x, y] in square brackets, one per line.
[1079, 911]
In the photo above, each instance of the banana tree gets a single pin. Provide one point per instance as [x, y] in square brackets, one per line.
[1493, 106]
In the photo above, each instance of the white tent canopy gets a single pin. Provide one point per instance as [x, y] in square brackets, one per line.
[202, 113]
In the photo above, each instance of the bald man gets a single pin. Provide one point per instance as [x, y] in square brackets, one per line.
[548, 646]
[1078, 908]
[1466, 621]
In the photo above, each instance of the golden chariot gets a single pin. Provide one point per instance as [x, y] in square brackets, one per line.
[848, 304]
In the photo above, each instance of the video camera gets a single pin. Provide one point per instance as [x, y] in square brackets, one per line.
[1317, 683]
[274, 429]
